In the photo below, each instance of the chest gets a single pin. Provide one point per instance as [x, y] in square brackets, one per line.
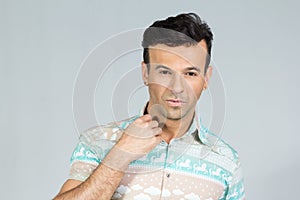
[167, 174]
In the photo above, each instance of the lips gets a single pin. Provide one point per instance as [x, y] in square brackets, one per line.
[175, 102]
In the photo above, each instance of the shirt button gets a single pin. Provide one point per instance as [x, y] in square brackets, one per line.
[168, 175]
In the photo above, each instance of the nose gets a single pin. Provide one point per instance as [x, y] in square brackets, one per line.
[177, 84]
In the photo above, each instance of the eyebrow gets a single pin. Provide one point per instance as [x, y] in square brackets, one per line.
[162, 66]
[194, 68]
[187, 69]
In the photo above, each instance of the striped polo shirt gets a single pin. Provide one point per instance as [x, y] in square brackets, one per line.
[197, 166]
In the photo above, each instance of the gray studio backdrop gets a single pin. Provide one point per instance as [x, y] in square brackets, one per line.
[42, 46]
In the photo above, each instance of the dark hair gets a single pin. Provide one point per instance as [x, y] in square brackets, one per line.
[183, 29]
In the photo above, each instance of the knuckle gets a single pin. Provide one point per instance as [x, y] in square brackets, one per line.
[145, 125]
[146, 117]
[159, 130]
[154, 123]
[137, 121]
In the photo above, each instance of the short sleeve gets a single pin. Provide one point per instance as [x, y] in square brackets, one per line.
[84, 161]
[236, 190]
[93, 146]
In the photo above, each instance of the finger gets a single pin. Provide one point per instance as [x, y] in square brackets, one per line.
[158, 139]
[156, 131]
[144, 118]
[153, 124]
[155, 118]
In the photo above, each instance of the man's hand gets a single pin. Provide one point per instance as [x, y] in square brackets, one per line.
[139, 138]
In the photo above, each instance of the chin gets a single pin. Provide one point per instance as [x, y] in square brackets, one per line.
[175, 116]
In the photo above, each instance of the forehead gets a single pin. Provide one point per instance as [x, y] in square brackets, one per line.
[180, 55]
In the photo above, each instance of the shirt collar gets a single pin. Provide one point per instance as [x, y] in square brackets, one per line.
[196, 127]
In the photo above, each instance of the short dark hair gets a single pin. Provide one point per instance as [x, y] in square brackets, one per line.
[184, 29]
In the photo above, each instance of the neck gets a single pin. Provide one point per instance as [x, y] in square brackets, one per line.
[176, 128]
[171, 128]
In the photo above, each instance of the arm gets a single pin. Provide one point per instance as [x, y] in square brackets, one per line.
[100, 185]
[141, 136]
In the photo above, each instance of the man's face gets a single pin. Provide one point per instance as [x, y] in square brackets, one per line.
[176, 78]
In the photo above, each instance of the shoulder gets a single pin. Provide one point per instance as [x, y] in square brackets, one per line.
[96, 141]
[225, 154]
[110, 132]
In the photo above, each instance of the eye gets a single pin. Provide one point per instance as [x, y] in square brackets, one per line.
[165, 72]
[191, 74]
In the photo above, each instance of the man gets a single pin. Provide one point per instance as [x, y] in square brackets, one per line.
[163, 153]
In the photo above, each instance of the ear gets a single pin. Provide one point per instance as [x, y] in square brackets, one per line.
[207, 76]
[145, 73]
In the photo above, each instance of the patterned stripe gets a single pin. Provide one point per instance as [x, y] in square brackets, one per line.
[199, 153]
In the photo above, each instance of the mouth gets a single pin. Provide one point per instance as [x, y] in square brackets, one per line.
[175, 102]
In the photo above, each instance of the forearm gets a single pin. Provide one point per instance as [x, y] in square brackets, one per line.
[101, 184]
[142, 136]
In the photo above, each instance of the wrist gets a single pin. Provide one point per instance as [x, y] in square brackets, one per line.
[117, 159]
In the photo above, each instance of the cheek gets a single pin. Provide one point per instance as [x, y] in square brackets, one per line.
[156, 91]
[160, 81]
[196, 90]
